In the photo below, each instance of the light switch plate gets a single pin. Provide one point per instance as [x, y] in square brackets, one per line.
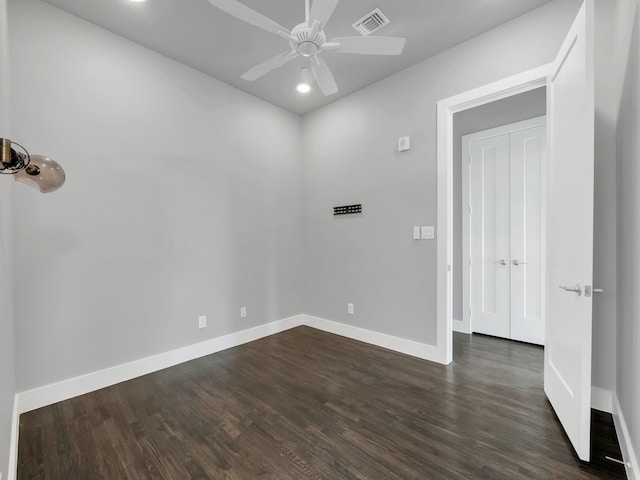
[427, 233]
[416, 233]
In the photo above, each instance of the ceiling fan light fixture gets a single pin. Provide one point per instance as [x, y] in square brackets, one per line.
[37, 171]
[309, 40]
[304, 86]
[42, 174]
[307, 48]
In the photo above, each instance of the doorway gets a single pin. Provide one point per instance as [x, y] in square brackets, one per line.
[497, 233]
[567, 216]
[488, 96]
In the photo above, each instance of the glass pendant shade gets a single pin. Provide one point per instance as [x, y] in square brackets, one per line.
[42, 173]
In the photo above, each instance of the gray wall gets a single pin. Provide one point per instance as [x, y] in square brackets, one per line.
[7, 378]
[496, 114]
[350, 157]
[182, 199]
[628, 225]
[604, 250]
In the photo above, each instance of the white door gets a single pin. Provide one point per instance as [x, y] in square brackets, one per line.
[505, 239]
[489, 235]
[570, 107]
[528, 152]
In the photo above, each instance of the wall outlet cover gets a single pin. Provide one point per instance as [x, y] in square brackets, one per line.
[202, 321]
[243, 312]
[350, 308]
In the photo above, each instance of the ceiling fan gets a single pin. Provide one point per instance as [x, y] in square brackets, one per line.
[308, 39]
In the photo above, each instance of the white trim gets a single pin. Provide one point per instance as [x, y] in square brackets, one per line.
[73, 387]
[507, 87]
[602, 399]
[13, 445]
[397, 344]
[624, 439]
[514, 127]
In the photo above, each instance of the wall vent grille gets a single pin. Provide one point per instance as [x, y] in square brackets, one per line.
[371, 22]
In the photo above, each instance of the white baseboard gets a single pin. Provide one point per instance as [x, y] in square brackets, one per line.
[73, 387]
[602, 399]
[626, 445]
[397, 344]
[13, 445]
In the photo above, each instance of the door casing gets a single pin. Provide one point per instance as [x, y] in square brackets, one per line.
[446, 108]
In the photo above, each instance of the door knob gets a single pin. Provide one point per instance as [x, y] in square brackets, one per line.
[516, 263]
[577, 289]
[501, 262]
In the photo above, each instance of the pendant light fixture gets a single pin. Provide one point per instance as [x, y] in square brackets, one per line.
[304, 86]
[37, 171]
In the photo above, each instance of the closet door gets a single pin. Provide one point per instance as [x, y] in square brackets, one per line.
[528, 148]
[489, 235]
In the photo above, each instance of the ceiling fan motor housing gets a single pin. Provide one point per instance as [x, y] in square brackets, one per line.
[306, 44]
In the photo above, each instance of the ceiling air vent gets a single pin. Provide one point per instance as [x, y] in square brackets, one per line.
[371, 22]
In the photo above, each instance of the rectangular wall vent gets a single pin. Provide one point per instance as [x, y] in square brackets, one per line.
[371, 22]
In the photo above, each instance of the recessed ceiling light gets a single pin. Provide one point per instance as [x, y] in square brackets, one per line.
[137, 1]
[303, 87]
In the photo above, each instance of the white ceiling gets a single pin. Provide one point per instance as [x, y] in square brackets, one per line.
[199, 35]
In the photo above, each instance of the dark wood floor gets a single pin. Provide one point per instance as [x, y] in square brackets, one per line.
[305, 404]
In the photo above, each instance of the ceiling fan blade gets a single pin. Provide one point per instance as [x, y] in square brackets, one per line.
[370, 45]
[321, 10]
[324, 77]
[238, 10]
[271, 64]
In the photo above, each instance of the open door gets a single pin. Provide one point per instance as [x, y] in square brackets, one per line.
[569, 264]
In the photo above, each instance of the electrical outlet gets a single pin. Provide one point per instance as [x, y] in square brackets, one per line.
[243, 312]
[202, 322]
[350, 308]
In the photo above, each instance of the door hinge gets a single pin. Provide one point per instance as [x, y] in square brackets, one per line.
[470, 158]
[470, 210]
[470, 261]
